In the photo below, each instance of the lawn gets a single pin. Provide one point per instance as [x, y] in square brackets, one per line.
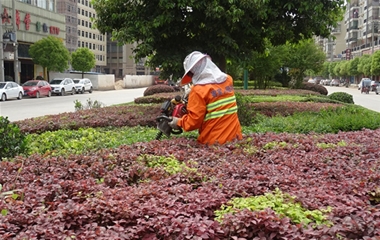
[305, 169]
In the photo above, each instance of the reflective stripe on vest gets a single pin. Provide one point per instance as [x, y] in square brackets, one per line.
[221, 103]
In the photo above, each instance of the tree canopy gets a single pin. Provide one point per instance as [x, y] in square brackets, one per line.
[166, 31]
[305, 55]
[50, 53]
[83, 60]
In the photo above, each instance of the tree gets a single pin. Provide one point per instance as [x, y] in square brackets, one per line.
[353, 67]
[375, 64]
[305, 55]
[83, 60]
[364, 65]
[325, 70]
[50, 53]
[264, 66]
[167, 30]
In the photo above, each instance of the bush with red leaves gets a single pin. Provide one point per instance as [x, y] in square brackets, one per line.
[111, 194]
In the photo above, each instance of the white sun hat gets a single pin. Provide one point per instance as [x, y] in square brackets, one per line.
[189, 62]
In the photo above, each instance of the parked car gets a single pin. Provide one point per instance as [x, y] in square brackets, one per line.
[60, 86]
[327, 82]
[36, 88]
[361, 82]
[335, 82]
[83, 85]
[10, 90]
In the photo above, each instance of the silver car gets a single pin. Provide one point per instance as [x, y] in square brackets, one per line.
[10, 90]
[60, 86]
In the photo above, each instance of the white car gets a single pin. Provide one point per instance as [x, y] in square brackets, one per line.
[83, 85]
[61, 86]
[10, 90]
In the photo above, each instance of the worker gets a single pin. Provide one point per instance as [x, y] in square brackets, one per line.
[212, 107]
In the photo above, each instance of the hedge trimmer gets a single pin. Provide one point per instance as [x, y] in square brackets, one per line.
[175, 107]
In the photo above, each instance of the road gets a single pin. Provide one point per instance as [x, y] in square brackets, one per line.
[370, 101]
[34, 107]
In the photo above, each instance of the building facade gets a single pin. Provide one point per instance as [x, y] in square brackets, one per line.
[88, 36]
[30, 21]
[362, 24]
[120, 61]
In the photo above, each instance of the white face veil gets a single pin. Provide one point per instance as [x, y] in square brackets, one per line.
[203, 69]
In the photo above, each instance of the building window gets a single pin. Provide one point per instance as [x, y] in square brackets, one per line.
[82, 22]
[86, 44]
[86, 34]
[89, 35]
[68, 8]
[78, 10]
[89, 45]
[89, 14]
[78, 43]
[86, 3]
[82, 33]
[86, 24]
[78, 21]
[86, 13]
[78, 32]
[90, 25]
[82, 12]
[82, 44]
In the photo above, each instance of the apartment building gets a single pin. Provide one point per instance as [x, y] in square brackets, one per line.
[334, 47]
[68, 8]
[120, 61]
[80, 31]
[362, 24]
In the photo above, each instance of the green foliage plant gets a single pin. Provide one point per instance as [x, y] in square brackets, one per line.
[331, 145]
[283, 204]
[89, 104]
[83, 140]
[342, 97]
[12, 140]
[245, 111]
[346, 118]
[170, 164]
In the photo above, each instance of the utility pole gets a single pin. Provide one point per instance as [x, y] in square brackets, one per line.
[15, 44]
[1, 46]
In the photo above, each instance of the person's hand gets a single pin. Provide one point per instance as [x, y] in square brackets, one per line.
[173, 124]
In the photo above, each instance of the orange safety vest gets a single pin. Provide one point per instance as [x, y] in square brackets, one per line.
[212, 109]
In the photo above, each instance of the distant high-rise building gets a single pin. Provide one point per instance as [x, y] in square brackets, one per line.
[80, 31]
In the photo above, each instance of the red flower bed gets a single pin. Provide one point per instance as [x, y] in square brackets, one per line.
[113, 195]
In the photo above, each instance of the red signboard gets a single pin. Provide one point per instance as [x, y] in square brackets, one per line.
[348, 54]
